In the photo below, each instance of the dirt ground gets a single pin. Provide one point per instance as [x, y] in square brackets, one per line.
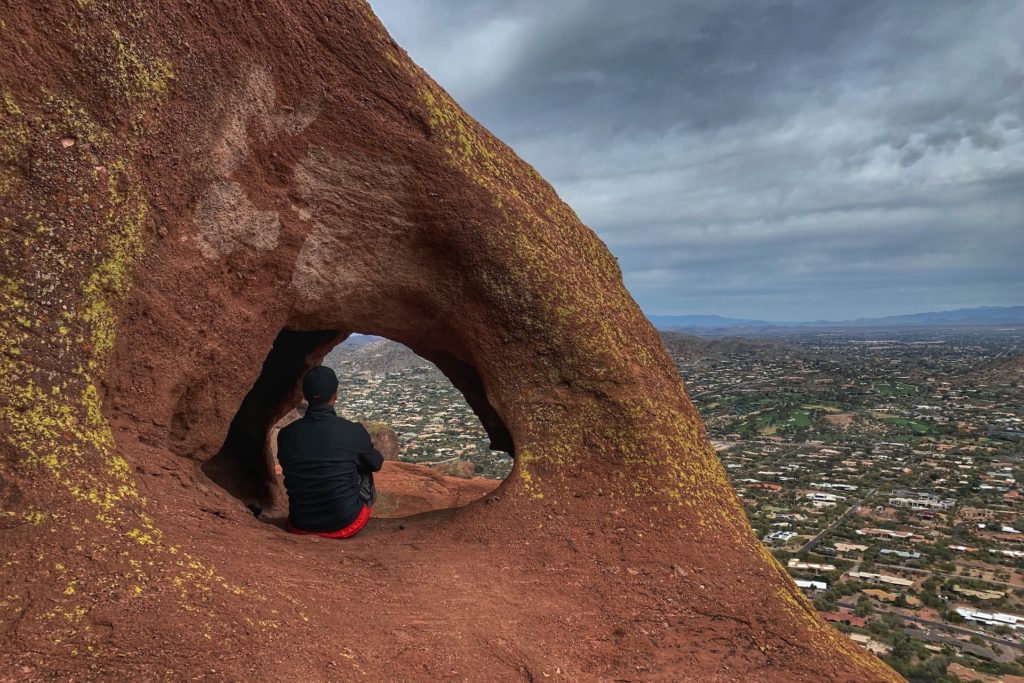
[842, 420]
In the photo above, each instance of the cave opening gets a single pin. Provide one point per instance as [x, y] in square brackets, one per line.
[426, 410]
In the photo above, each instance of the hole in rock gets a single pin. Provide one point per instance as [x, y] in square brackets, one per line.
[444, 444]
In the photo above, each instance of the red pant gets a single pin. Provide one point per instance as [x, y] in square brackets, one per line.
[348, 532]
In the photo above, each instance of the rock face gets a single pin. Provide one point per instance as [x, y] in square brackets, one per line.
[404, 489]
[199, 200]
[384, 438]
[463, 469]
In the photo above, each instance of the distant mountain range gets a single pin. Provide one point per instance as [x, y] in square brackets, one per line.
[374, 354]
[984, 316]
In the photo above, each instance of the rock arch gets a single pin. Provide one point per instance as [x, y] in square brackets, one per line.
[183, 182]
[244, 464]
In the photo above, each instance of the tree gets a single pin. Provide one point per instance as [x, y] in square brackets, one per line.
[953, 617]
[892, 620]
[825, 603]
[931, 671]
[902, 648]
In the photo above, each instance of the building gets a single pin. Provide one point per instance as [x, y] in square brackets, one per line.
[812, 585]
[978, 594]
[830, 485]
[886, 532]
[879, 594]
[870, 644]
[800, 565]
[911, 500]
[779, 536]
[850, 547]
[990, 618]
[824, 497]
[882, 578]
[766, 486]
[963, 548]
[848, 618]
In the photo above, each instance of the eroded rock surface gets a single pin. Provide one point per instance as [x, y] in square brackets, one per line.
[199, 200]
[404, 489]
[384, 439]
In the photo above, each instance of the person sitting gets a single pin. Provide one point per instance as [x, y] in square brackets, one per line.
[328, 464]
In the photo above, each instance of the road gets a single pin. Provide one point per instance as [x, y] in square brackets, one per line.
[965, 631]
[929, 623]
[813, 543]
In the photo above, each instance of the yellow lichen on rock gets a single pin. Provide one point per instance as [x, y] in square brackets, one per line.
[64, 275]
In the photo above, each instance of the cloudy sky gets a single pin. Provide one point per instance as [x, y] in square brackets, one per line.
[773, 159]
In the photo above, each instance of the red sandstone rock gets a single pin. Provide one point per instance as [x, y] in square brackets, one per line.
[249, 184]
[384, 438]
[405, 489]
[455, 468]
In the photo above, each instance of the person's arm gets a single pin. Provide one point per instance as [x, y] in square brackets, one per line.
[369, 457]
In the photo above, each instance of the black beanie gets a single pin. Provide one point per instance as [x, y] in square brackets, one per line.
[319, 384]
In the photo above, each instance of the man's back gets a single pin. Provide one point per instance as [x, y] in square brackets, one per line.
[323, 457]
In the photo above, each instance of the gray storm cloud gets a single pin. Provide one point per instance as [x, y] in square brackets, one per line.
[768, 159]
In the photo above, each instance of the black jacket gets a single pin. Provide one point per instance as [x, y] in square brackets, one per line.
[322, 456]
